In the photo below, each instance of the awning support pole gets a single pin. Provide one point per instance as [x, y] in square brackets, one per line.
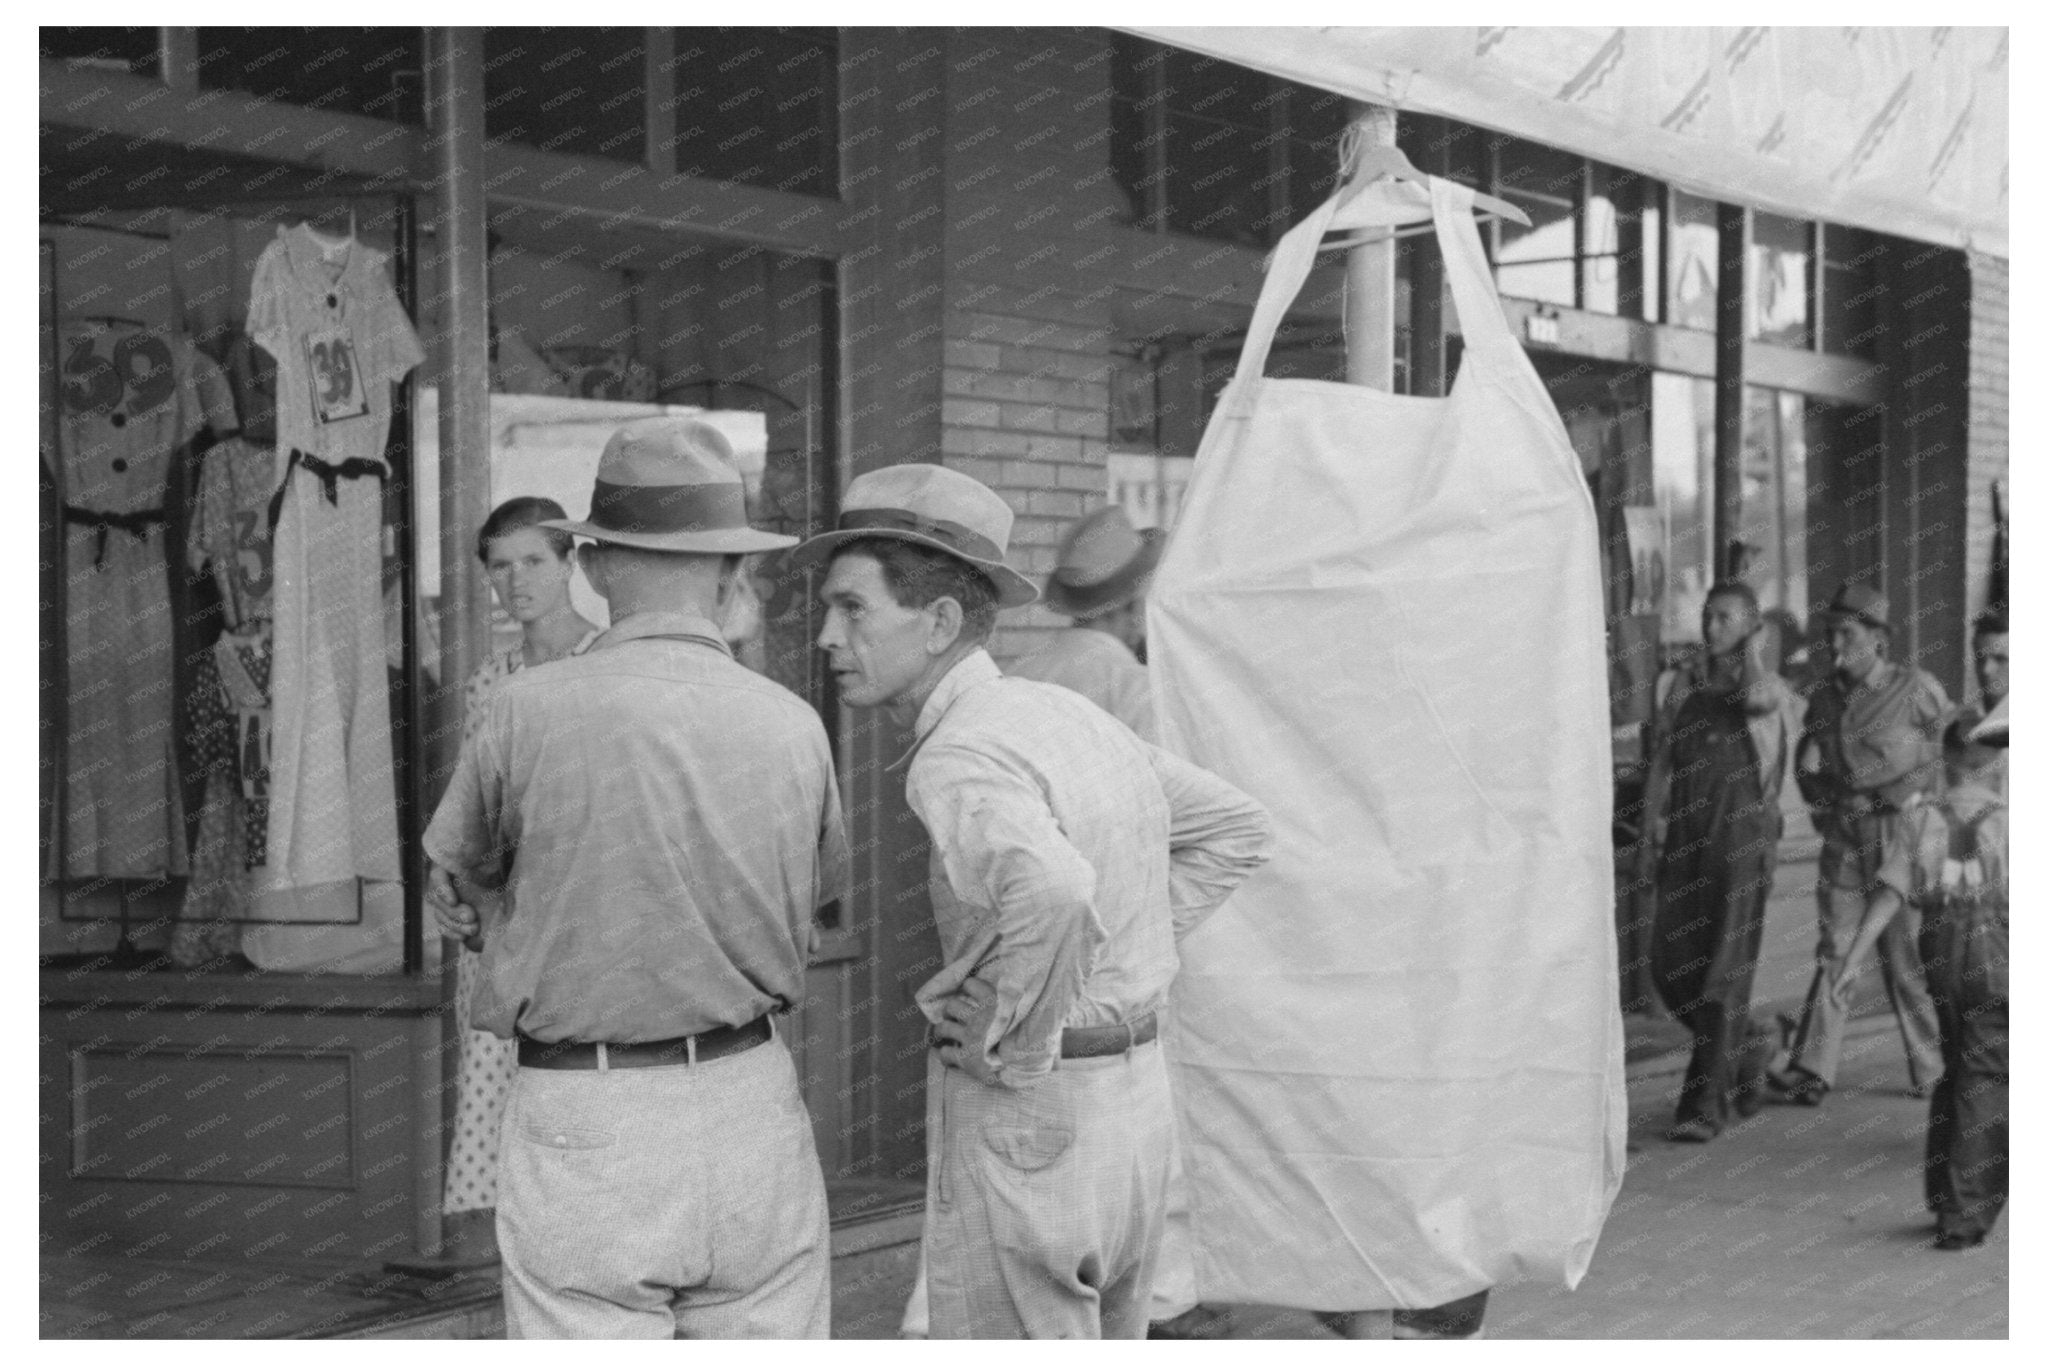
[462, 352]
[1369, 277]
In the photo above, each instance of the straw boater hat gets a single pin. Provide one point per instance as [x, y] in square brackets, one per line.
[668, 483]
[1104, 563]
[931, 506]
[1860, 602]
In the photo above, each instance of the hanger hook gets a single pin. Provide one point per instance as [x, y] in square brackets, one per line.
[1350, 149]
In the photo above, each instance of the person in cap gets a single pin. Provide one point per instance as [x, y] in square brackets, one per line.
[1067, 857]
[1105, 565]
[1719, 748]
[665, 824]
[1962, 889]
[1983, 721]
[1871, 752]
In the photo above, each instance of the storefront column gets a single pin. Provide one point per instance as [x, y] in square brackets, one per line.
[455, 116]
[1730, 333]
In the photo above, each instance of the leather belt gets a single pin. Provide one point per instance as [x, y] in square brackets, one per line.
[137, 524]
[329, 476]
[690, 1048]
[1104, 1041]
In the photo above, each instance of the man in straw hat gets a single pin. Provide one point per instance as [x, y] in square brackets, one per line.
[670, 823]
[1871, 753]
[1067, 855]
[1105, 565]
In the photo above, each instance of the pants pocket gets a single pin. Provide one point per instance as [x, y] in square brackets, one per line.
[1028, 1149]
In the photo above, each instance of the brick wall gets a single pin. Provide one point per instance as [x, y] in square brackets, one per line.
[1044, 277]
[1989, 445]
[1027, 412]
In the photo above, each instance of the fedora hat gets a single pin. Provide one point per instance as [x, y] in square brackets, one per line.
[931, 506]
[1862, 603]
[1104, 562]
[671, 483]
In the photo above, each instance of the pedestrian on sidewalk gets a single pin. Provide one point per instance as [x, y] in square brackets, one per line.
[1098, 582]
[1961, 882]
[1067, 857]
[1991, 660]
[1870, 754]
[1105, 564]
[671, 824]
[1719, 748]
[529, 568]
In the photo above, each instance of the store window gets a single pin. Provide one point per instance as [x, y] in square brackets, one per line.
[1851, 260]
[1540, 261]
[759, 106]
[375, 72]
[1694, 254]
[226, 478]
[134, 50]
[1780, 280]
[1774, 493]
[1780, 489]
[1621, 247]
[1682, 473]
[594, 328]
[1209, 149]
[579, 91]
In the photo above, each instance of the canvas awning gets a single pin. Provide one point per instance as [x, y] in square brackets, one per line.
[1902, 130]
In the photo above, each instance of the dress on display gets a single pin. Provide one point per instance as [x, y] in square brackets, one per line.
[132, 397]
[326, 313]
[228, 726]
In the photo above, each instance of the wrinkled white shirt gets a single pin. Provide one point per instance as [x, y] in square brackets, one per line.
[1067, 857]
[1102, 669]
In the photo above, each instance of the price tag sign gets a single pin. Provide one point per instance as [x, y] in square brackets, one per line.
[338, 392]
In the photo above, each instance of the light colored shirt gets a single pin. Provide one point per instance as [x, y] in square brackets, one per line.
[1102, 669]
[672, 823]
[1067, 857]
[1882, 736]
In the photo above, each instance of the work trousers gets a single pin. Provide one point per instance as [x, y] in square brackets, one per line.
[1044, 1203]
[1967, 953]
[659, 1202]
[1817, 1046]
[1712, 885]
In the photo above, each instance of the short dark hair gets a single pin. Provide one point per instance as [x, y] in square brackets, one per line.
[517, 514]
[919, 576]
[1735, 588]
[1990, 622]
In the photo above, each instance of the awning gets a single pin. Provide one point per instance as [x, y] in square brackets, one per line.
[1902, 130]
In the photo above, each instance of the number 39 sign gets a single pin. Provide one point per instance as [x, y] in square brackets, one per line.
[337, 379]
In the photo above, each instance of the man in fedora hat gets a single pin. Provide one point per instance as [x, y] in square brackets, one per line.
[1871, 752]
[666, 824]
[1105, 565]
[1067, 856]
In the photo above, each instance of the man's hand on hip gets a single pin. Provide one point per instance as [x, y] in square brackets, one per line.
[457, 920]
[963, 1029]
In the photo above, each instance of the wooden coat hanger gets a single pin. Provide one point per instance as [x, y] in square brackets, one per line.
[1366, 166]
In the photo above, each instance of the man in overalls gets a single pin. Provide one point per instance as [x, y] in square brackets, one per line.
[1722, 741]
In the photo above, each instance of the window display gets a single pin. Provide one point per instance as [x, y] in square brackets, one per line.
[134, 395]
[226, 764]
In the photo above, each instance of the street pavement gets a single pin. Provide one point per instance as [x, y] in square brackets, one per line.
[1795, 1223]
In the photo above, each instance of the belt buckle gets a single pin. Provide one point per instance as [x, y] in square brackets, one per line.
[1130, 1036]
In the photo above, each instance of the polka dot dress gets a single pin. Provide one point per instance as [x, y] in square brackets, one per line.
[487, 1060]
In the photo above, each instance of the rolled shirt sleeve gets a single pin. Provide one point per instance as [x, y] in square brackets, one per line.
[1003, 852]
[1219, 837]
[465, 834]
